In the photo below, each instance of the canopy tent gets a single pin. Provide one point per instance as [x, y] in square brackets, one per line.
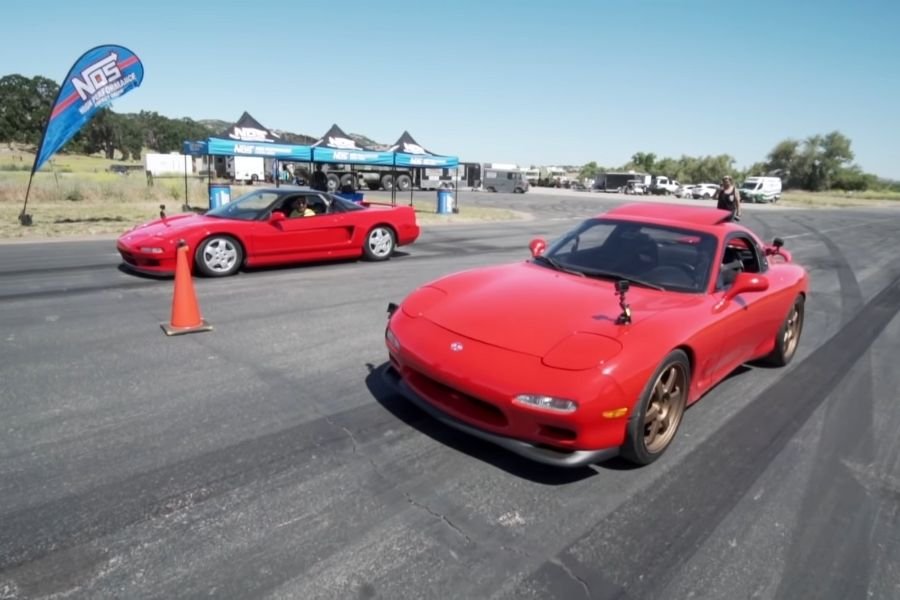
[409, 153]
[247, 137]
[338, 147]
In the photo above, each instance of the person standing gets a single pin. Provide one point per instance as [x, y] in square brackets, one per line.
[729, 198]
[319, 180]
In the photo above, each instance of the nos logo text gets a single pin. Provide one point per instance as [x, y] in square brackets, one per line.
[96, 76]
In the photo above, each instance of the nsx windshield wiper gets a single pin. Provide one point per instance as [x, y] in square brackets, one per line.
[628, 278]
[554, 264]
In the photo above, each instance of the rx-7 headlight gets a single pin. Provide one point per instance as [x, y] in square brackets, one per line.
[551, 403]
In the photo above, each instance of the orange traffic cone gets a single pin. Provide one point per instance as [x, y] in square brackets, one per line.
[185, 311]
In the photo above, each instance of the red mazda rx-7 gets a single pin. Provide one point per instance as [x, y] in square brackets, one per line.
[260, 228]
[595, 346]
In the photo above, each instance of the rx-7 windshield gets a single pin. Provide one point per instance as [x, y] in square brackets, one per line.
[248, 207]
[651, 255]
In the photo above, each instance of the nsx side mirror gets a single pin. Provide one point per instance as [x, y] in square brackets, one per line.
[276, 217]
[537, 246]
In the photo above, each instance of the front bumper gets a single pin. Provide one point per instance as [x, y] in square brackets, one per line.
[541, 454]
[154, 264]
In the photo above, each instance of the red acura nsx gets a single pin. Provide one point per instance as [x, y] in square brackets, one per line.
[596, 345]
[257, 229]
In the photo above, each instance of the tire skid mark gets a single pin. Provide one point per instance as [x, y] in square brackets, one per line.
[641, 546]
[819, 562]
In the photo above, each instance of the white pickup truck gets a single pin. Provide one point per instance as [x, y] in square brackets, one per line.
[664, 186]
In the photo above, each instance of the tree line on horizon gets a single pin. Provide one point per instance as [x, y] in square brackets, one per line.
[818, 163]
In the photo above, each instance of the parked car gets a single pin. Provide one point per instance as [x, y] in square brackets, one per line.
[635, 186]
[705, 190]
[256, 230]
[596, 345]
[685, 191]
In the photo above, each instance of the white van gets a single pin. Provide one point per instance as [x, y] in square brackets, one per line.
[761, 189]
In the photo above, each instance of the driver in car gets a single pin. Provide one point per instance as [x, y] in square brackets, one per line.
[299, 208]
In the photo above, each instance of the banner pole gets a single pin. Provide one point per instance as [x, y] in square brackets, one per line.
[25, 219]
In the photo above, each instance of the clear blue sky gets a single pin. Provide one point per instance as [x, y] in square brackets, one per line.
[561, 82]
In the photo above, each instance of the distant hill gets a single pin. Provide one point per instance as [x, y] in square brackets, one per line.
[218, 126]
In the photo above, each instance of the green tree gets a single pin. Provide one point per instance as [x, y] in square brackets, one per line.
[24, 107]
[644, 161]
[589, 171]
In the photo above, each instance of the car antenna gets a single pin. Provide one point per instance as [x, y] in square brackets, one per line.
[622, 286]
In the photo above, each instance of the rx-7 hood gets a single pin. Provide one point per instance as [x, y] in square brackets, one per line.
[530, 308]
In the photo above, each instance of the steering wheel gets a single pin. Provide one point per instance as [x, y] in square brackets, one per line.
[686, 267]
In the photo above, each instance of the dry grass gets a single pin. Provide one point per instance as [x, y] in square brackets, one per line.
[102, 203]
[833, 199]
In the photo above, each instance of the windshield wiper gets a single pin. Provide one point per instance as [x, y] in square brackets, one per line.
[628, 278]
[553, 263]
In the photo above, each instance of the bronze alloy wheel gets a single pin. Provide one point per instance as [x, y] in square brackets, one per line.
[665, 408]
[792, 331]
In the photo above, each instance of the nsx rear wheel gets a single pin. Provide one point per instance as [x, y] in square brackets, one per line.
[219, 256]
[788, 337]
[652, 427]
[379, 243]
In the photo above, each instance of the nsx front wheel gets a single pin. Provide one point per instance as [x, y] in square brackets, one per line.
[379, 243]
[788, 337]
[219, 255]
[653, 425]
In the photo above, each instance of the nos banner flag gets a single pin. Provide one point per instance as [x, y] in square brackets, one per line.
[101, 75]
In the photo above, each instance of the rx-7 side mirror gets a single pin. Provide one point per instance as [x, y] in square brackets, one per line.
[537, 246]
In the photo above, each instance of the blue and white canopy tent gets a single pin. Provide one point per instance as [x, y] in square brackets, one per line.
[408, 153]
[246, 137]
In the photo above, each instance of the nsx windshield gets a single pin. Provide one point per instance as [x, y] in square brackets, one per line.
[248, 207]
[645, 254]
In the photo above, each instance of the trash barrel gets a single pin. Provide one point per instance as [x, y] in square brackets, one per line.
[219, 194]
[444, 201]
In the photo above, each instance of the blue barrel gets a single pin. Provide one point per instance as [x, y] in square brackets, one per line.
[219, 194]
[444, 202]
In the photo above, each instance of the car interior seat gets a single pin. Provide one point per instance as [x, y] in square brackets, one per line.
[731, 266]
[642, 253]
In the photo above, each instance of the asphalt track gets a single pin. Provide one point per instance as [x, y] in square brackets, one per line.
[265, 459]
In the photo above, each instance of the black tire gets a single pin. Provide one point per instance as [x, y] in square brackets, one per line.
[788, 337]
[492, 189]
[347, 179]
[404, 182]
[333, 182]
[379, 244]
[219, 256]
[373, 185]
[644, 443]
[387, 182]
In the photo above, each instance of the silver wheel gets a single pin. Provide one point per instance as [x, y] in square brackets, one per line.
[379, 244]
[219, 256]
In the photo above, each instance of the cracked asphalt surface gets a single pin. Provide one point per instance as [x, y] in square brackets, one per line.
[266, 458]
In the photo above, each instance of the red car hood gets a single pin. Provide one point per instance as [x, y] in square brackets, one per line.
[170, 226]
[530, 308]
